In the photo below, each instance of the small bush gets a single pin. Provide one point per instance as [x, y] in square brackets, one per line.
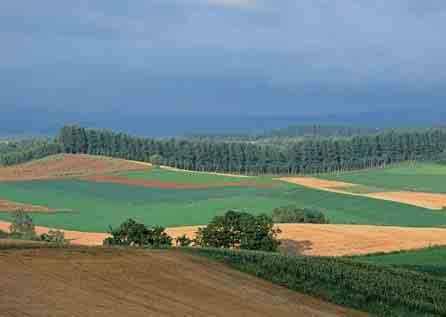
[54, 236]
[3, 235]
[22, 225]
[294, 214]
[131, 233]
[240, 230]
[183, 241]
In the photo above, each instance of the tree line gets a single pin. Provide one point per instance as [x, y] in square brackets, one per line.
[303, 157]
[20, 151]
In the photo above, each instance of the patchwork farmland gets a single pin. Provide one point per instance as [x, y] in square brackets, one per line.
[84, 195]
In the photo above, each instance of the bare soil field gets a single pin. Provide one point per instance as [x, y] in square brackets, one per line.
[419, 199]
[67, 166]
[109, 282]
[311, 239]
[6, 205]
[171, 185]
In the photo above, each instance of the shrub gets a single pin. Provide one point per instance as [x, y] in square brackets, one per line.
[3, 235]
[183, 241]
[131, 233]
[22, 225]
[239, 230]
[294, 214]
[54, 236]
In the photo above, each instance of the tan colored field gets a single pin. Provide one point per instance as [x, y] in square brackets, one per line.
[168, 168]
[110, 282]
[311, 239]
[341, 240]
[419, 199]
[6, 205]
[67, 166]
[424, 200]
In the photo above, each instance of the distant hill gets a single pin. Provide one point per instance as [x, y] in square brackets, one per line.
[35, 122]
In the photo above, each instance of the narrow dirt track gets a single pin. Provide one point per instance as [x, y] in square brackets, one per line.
[157, 184]
[311, 239]
[109, 282]
[419, 199]
[7, 205]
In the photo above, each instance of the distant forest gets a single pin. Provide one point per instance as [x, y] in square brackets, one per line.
[301, 156]
[296, 132]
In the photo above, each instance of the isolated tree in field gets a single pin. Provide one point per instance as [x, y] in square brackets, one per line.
[156, 160]
[239, 230]
[22, 225]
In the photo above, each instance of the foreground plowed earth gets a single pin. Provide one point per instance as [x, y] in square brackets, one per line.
[67, 166]
[110, 282]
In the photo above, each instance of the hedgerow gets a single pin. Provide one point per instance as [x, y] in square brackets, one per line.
[378, 290]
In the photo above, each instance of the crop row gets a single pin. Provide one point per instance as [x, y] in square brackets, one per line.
[379, 290]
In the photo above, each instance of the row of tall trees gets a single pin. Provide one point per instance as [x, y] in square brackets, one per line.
[304, 157]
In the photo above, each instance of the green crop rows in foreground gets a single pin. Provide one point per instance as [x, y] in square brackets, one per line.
[95, 206]
[376, 289]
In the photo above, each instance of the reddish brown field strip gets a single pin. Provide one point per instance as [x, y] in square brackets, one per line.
[419, 199]
[67, 166]
[6, 205]
[311, 239]
[148, 183]
[42, 282]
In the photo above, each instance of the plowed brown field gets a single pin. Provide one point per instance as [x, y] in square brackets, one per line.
[67, 166]
[148, 183]
[6, 205]
[109, 282]
[311, 239]
[419, 199]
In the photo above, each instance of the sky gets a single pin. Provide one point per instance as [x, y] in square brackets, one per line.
[222, 57]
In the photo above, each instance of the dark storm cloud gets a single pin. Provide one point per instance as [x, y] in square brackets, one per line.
[224, 55]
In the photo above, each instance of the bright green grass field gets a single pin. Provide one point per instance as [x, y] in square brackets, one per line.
[95, 206]
[423, 177]
[429, 260]
[156, 174]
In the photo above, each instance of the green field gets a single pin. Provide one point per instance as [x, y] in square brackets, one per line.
[95, 206]
[429, 260]
[156, 174]
[422, 177]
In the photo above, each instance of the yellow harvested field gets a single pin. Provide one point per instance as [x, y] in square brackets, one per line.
[312, 239]
[314, 182]
[419, 199]
[168, 168]
[424, 200]
[341, 240]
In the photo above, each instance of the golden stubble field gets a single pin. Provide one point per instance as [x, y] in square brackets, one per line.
[311, 239]
[419, 199]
